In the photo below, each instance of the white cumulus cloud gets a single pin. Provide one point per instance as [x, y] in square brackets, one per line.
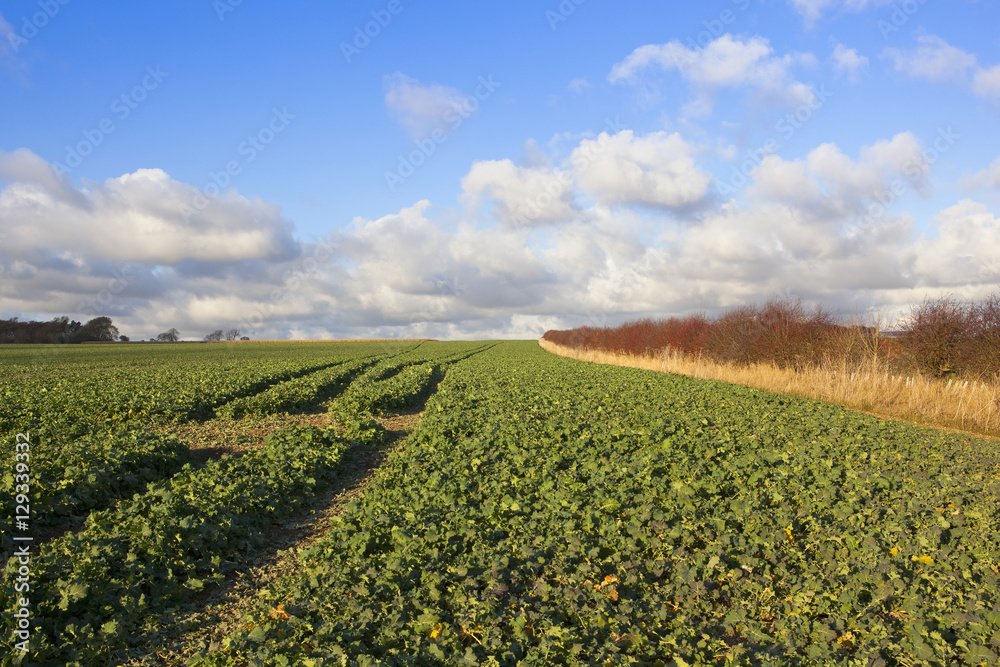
[965, 251]
[656, 170]
[520, 195]
[613, 247]
[833, 186]
[144, 216]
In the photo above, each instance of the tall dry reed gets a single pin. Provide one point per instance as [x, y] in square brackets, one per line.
[965, 405]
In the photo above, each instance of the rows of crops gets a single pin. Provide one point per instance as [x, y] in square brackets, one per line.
[89, 419]
[103, 590]
[396, 382]
[545, 511]
[147, 385]
[550, 512]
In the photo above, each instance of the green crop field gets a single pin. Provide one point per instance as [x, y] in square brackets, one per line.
[543, 511]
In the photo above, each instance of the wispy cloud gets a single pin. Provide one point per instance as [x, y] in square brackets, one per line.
[986, 83]
[848, 62]
[812, 10]
[726, 62]
[934, 60]
[421, 108]
[9, 40]
[937, 61]
[986, 178]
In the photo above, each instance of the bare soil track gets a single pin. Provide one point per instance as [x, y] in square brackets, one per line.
[209, 617]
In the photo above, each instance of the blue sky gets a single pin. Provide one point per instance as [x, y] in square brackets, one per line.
[487, 169]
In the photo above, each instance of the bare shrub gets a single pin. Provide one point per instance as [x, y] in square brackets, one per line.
[781, 332]
[933, 336]
[733, 335]
[981, 347]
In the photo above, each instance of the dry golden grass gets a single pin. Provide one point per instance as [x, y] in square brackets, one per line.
[967, 406]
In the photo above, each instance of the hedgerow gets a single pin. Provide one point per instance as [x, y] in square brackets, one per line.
[939, 337]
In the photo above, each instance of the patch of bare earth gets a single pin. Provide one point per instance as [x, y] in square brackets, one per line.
[213, 615]
[211, 439]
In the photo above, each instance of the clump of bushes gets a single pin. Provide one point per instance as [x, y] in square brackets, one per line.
[945, 336]
[780, 331]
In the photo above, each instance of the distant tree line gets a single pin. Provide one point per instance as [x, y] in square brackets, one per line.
[169, 336]
[173, 335]
[63, 330]
[59, 330]
[219, 334]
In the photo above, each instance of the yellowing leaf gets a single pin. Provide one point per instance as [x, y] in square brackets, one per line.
[280, 613]
[893, 551]
[926, 560]
[437, 630]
